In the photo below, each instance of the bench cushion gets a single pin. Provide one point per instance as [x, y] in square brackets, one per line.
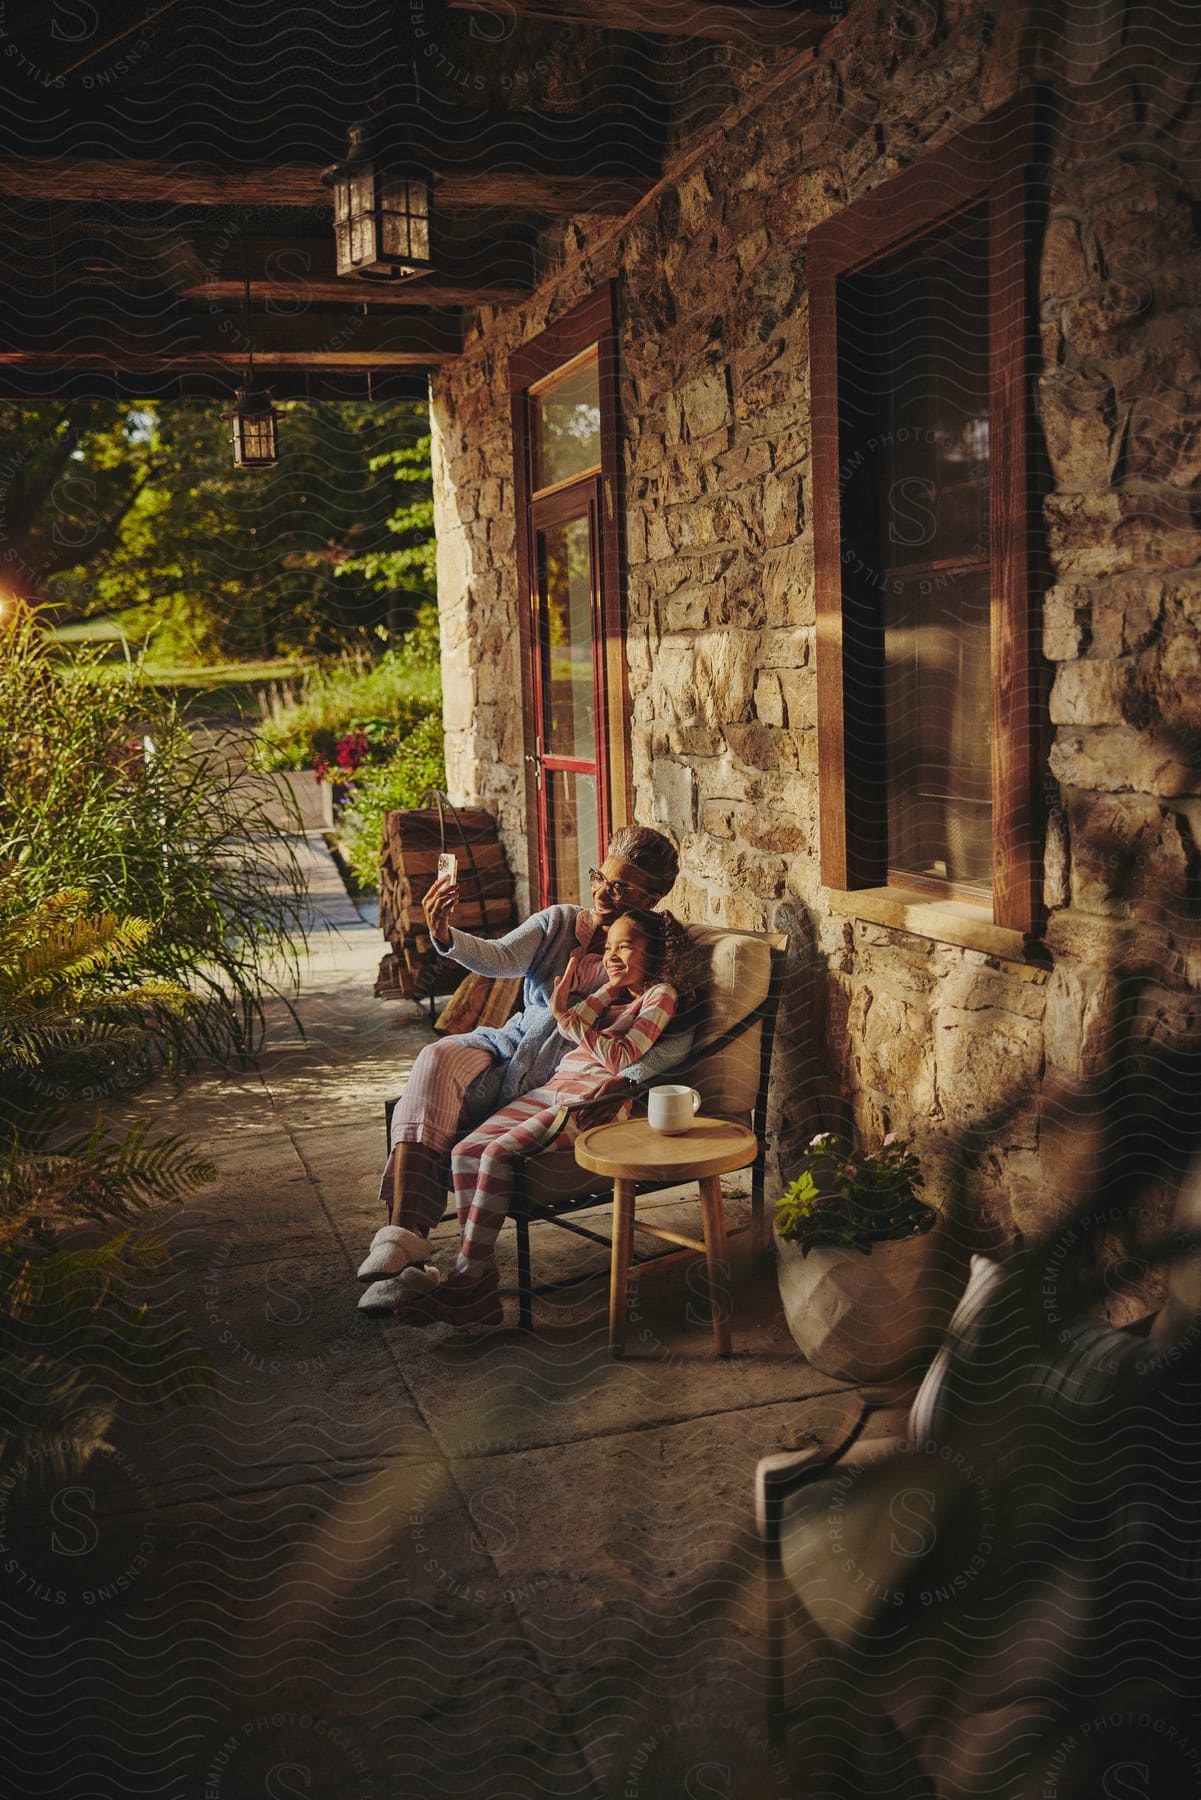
[733, 977]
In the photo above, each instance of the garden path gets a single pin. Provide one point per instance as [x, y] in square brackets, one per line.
[378, 1560]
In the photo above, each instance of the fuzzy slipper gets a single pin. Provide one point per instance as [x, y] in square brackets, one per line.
[458, 1301]
[410, 1286]
[393, 1248]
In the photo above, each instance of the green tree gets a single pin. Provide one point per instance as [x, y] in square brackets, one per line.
[138, 511]
[408, 565]
[69, 478]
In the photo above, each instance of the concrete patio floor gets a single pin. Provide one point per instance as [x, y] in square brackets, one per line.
[376, 1560]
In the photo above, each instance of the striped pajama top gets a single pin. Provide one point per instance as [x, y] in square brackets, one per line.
[610, 1035]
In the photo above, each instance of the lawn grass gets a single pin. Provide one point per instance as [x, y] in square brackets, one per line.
[218, 675]
[182, 679]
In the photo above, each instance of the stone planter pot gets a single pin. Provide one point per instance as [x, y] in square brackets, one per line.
[872, 1318]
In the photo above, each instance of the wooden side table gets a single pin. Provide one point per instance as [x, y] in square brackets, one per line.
[630, 1152]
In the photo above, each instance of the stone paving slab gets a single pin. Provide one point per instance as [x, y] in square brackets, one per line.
[505, 1388]
[663, 1620]
[360, 1602]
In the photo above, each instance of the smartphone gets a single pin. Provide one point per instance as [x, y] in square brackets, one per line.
[448, 867]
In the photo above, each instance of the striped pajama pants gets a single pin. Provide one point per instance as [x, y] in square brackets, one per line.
[482, 1163]
[451, 1084]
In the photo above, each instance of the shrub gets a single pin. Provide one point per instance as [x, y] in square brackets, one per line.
[103, 787]
[385, 700]
[70, 1022]
[417, 764]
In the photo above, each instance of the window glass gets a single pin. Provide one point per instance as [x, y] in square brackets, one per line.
[574, 838]
[920, 323]
[938, 728]
[565, 593]
[566, 422]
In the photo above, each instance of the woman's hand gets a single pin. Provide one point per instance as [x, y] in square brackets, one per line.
[440, 901]
[560, 993]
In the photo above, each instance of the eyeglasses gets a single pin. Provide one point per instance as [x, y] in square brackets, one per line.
[618, 889]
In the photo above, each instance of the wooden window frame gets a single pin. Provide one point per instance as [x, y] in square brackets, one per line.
[531, 368]
[989, 163]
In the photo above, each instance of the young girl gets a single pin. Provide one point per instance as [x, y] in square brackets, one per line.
[612, 1029]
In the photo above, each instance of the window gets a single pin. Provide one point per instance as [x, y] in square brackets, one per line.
[573, 658]
[928, 681]
[566, 419]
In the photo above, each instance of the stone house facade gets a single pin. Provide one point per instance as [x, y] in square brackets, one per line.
[916, 1012]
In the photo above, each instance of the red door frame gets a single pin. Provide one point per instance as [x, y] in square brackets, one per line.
[591, 322]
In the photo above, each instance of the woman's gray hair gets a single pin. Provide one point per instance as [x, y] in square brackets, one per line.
[651, 854]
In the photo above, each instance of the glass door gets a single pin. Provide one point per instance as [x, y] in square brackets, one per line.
[567, 634]
[575, 690]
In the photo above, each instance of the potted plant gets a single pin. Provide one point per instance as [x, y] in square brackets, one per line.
[864, 1291]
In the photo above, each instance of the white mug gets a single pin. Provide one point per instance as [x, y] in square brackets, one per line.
[671, 1109]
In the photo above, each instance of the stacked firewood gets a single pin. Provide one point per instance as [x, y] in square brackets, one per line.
[412, 842]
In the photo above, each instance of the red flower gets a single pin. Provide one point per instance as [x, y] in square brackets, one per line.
[352, 751]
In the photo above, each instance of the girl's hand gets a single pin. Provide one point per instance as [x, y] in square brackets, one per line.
[440, 901]
[560, 993]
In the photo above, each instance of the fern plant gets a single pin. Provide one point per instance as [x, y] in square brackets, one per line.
[78, 1216]
[72, 1017]
[78, 1333]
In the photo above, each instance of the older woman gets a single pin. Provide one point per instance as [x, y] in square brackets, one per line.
[457, 1083]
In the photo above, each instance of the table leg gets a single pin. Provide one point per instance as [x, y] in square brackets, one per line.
[717, 1261]
[619, 1270]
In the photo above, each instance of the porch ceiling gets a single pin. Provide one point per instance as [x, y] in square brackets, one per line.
[765, 27]
[151, 163]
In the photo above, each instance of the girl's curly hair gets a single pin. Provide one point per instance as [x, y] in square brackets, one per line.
[671, 956]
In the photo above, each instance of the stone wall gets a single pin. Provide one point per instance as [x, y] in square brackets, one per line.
[924, 1031]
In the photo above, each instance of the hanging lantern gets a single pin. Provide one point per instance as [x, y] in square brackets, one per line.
[253, 429]
[253, 419]
[381, 210]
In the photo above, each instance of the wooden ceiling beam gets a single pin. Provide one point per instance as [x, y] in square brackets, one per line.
[116, 181]
[131, 357]
[287, 274]
[765, 28]
[171, 338]
[299, 272]
[345, 292]
[56, 383]
[195, 278]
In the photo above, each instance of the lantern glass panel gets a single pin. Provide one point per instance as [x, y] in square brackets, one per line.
[404, 220]
[362, 188]
[260, 439]
[362, 241]
[394, 235]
